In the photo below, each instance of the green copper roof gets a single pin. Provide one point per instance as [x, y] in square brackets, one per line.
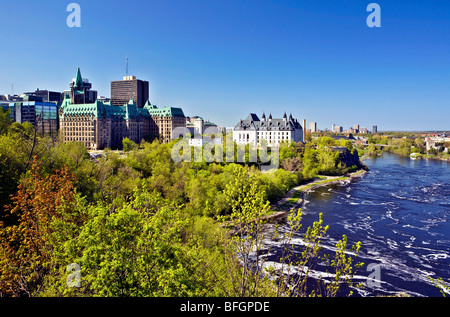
[165, 112]
[129, 110]
[99, 109]
[79, 80]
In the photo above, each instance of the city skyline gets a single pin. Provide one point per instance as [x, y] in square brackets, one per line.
[222, 60]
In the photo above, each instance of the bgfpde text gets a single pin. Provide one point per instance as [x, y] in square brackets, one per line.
[227, 307]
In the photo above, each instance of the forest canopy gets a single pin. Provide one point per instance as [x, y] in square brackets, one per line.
[135, 223]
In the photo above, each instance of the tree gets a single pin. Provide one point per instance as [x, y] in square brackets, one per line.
[372, 150]
[128, 145]
[292, 164]
[145, 247]
[5, 120]
[25, 254]
[447, 144]
[245, 275]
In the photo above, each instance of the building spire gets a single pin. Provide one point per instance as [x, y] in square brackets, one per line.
[79, 80]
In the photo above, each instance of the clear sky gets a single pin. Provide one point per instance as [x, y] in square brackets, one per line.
[222, 59]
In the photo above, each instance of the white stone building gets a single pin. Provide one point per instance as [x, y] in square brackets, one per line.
[253, 130]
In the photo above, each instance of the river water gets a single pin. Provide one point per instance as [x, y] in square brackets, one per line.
[400, 211]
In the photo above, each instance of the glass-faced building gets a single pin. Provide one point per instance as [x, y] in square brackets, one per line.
[43, 115]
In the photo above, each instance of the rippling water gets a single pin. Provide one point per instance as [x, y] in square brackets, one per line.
[400, 211]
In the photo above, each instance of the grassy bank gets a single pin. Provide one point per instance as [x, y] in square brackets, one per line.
[295, 196]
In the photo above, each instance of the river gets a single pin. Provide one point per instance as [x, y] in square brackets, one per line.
[400, 211]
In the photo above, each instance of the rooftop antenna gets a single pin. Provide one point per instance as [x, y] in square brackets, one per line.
[127, 65]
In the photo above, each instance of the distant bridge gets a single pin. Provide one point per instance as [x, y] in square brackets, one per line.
[381, 146]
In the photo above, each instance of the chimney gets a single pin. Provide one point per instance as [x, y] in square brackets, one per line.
[304, 131]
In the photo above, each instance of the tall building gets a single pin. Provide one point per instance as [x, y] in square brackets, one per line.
[253, 130]
[80, 90]
[374, 129]
[337, 129]
[356, 128]
[129, 88]
[313, 126]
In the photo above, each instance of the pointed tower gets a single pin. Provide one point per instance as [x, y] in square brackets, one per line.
[78, 80]
[263, 118]
[80, 90]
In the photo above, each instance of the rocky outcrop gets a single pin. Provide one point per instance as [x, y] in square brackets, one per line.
[351, 158]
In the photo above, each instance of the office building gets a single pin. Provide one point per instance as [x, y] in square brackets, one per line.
[129, 88]
[46, 95]
[374, 129]
[337, 129]
[313, 126]
[43, 115]
[101, 124]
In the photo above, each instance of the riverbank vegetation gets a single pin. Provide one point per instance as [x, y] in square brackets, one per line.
[140, 224]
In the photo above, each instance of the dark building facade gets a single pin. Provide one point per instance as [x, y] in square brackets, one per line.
[129, 88]
[46, 95]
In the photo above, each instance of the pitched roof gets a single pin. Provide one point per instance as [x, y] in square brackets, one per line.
[252, 117]
[253, 123]
[164, 112]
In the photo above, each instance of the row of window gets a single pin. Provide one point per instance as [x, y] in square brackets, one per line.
[85, 134]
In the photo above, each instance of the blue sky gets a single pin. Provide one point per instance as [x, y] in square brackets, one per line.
[222, 59]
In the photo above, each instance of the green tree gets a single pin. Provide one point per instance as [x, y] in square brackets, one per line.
[145, 247]
[128, 145]
[244, 275]
[5, 120]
